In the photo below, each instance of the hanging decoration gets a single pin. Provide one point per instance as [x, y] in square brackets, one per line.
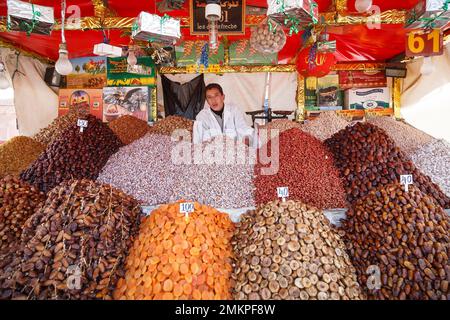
[204, 56]
[325, 44]
[153, 28]
[267, 37]
[311, 63]
[29, 18]
[293, 14]
[429, 14]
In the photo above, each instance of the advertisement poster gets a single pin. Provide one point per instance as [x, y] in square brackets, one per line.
[88, 99]
[311, 94]
[367, 99]
[329, 97]
[119, 101]
[118, 75]
[189, 53]
[362, 79]
[242, 53]
[88, 73]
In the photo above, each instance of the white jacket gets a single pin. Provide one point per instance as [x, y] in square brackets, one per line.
[234, 125]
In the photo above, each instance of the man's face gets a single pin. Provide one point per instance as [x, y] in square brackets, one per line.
[215, 99]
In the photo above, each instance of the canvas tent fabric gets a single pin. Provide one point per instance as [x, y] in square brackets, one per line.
[426, 99]
[36, 105]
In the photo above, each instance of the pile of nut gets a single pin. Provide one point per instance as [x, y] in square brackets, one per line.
[129, 128]
[18, 201]
[368, 158]
[287, 250]
[433, 159]
[17, 154]
[222, 177]
[73, 155]
[398, 242]
[306, 167]
[169, 124]
[143, 169]
[267, 39]
[326, 124]
[405, 136]
[48, 134]
[75, 246]
[179, 257]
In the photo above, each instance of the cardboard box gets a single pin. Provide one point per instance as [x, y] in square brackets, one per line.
[88, 73]
[367, 99]
[88, 99]
[119, 101]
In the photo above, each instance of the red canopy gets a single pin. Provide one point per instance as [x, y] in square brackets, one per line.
[354, 42]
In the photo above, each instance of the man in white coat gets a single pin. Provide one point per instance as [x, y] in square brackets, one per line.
[220, 118]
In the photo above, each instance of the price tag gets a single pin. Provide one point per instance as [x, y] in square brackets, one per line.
[283, 193]
[406, 180]
[422, 43]
[82, 124]
[186, 208]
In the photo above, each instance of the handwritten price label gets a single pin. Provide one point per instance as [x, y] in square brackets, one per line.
[406, 180]
[283, 193]
[186, 208]
[82, 124]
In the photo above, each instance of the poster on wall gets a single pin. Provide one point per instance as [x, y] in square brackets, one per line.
[90, 100]
[329, 97]
[232, 21]
[88, 73]
[118, 75]
[189, 52]
[119, 101]
[242, 53]
[362, 79]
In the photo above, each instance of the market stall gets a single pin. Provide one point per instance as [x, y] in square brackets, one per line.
[243, 150]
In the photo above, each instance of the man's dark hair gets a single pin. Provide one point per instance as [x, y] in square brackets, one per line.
[214, 86]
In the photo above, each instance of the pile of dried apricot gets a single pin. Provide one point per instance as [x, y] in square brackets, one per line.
[180, 257]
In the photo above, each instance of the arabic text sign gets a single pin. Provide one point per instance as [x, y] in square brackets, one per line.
[231, 22]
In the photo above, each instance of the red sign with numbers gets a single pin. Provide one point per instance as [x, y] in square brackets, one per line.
[421, 43]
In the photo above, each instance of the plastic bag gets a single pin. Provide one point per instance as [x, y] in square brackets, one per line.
[268, 37]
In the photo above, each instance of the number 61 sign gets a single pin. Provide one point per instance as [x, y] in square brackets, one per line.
[423, 43]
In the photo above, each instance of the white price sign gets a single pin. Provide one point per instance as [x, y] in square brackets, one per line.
[406, 180]
[283, 193]
[82, 124]
[186, 208]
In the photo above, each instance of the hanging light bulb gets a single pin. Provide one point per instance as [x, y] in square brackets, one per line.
[213, 11]
[427, 67]
[4, 82]
[63, 66]
[363, 5]
[132, 60]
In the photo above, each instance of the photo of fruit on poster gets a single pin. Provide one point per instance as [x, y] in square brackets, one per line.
[120, 101]
[88, 72]
[89, 100]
